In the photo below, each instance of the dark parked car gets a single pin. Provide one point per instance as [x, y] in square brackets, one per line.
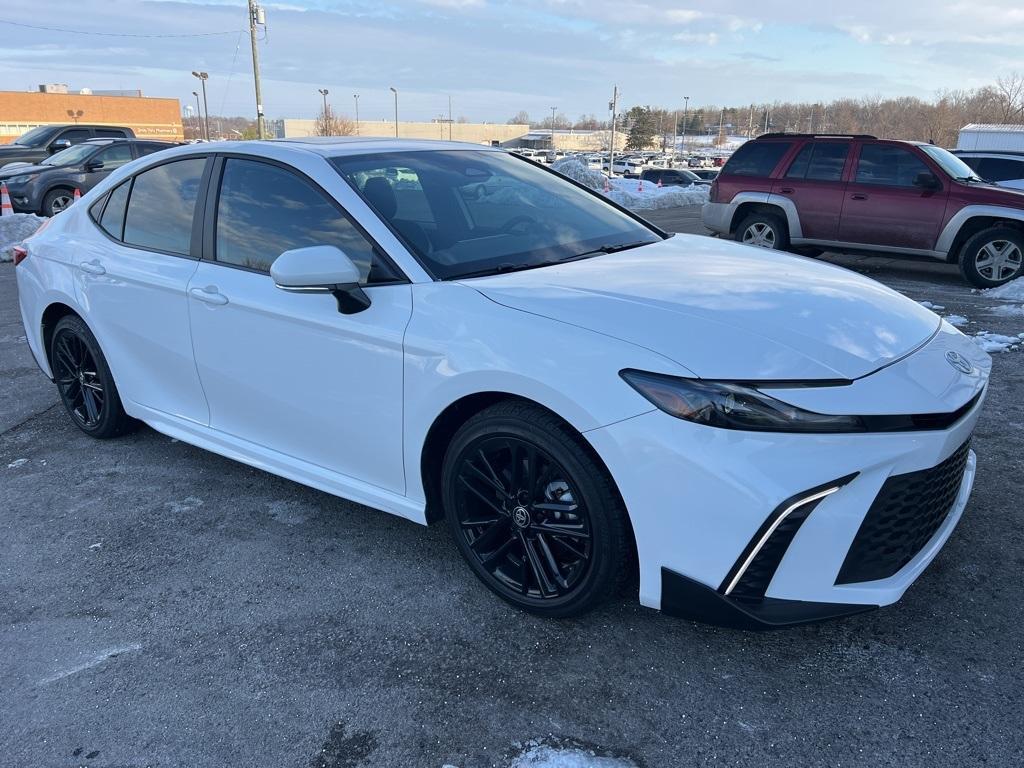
[863, 194]
[46, 140]
[49, 187]
[708, 174]
[1005, 168]
[672, 177]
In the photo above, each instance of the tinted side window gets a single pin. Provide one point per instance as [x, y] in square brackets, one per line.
[112, 220]
[115, 156]
[757, 158]
[798, 169]
[999, 169]
[144, 148]
[888, 166]
[74, 135]
[163, 201]
[111, 133]
[828, 160]
[264, 211]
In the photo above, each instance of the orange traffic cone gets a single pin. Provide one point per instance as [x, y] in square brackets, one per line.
[659, 183]
[607, 186]
[78, 195]
[6, 209]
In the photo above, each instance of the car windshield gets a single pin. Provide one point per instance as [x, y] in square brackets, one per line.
[470, 213]
[70, 156]
[34, 138]
[950, 163]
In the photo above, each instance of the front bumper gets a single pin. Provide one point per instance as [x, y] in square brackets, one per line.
[700, 499]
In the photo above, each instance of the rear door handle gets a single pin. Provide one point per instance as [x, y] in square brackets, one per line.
[787, 190]
[92, 267]
[858, 197]
[209, 294]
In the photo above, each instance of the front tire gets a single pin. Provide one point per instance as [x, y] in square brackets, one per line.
[84, 381]
[993, 257]
[763, 230]
[534, 514]
[56, 201]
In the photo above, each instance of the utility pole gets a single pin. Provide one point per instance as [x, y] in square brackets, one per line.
[613, 105]
[257, 16]
[203, 77]
[766, 119]
[356, 97]
[449, 117]
[553, 110]
[750, 123]
[396, 110]
[686, 111]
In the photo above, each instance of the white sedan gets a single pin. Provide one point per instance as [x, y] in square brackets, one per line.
[449, 332]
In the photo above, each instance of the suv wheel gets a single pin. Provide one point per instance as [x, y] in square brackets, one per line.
[993, 257]
[763, 230]
[57, 200]
[538, 520]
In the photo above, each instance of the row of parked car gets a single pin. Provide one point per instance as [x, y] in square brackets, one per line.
[43, 167]
[674, 170]
[858, 193]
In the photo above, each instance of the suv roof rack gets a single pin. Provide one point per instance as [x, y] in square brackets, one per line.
[784, 134]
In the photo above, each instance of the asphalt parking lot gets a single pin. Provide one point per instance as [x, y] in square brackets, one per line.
[163, 606]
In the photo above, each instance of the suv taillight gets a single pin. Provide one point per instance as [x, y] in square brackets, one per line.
[20, 253]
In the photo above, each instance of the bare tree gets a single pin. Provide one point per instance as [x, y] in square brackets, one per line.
[330, 124]
[519, 118]
[1010, 97]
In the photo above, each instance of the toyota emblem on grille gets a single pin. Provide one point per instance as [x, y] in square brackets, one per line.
[959, 362]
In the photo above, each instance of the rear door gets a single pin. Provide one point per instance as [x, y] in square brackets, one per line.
[882, 206]
[133, 285]
[814, 181]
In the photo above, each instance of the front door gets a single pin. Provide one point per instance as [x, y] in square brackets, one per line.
[288, 371]
[884, 208]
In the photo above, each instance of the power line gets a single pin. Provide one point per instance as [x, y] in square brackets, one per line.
[114, 34]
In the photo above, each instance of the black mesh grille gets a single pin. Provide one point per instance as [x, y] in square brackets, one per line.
[907, 512]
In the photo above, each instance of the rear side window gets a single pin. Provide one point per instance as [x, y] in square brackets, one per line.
[112, 219]
[757, 158]
[264, 211]
[115, 156]
[111, 133]
[162, 204]
[997, 168]
[75, 135]
[888, 166]
[144, 148]
[820, 161]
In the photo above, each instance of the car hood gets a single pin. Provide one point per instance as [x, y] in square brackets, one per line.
[18, 170]
[727, 311]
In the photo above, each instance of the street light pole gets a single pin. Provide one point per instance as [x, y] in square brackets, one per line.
[356, 97]
[553, 110]
[686, 110]
[449, 118]
[256, 16]
[323, 92]
[203, 77]
[613, 105]
[199, 115]
[392, 89]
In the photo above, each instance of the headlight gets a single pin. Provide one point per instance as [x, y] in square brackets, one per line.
[732, 406]
[25, 177]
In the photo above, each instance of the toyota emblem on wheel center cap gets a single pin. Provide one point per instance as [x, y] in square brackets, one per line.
[521, 517]
[959, 362]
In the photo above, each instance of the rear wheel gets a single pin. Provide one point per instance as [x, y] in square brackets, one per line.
[533, 513]
[57, 200]
[993, 257]
[84, 381]
[763, 230]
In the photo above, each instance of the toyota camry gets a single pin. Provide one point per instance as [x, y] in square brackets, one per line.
[451, 333]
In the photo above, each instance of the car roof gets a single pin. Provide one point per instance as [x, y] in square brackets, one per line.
[331, 146]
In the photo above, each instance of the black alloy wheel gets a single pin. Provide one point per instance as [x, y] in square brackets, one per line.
[532, 513]
[84, 381]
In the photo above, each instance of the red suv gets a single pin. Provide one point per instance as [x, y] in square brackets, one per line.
[863, 194]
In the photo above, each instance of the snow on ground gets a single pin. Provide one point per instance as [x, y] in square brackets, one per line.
[15, 228]
[1011, 291]
[929, 305]
[956, 320]
[997, 342]
[544, 756]
[632, 193]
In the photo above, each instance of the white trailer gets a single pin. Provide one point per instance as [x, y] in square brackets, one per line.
[987, 137]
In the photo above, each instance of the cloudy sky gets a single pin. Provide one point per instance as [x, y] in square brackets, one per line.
[495, 57]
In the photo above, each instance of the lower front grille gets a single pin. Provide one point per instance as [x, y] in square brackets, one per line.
[907, 512]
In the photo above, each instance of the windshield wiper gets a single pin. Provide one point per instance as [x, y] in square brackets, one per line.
[612, 248]
[502, 269]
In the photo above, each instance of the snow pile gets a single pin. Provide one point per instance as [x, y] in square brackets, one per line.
[1011, 291]
[997, 342]
[929, 305]
[14, 229]
[956, 320]
[543, 756]
[632, 193]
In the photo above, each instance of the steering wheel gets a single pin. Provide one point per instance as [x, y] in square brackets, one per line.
[516, 222]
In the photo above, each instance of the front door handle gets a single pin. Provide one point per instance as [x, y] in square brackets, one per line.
[858, 197]
[209, 294]
[92, 267]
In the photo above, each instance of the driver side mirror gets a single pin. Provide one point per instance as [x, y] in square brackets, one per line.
[94, 165]
[927, 181]
[58, 145]
[321, 269]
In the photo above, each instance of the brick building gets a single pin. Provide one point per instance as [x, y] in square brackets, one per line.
[150, 118]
